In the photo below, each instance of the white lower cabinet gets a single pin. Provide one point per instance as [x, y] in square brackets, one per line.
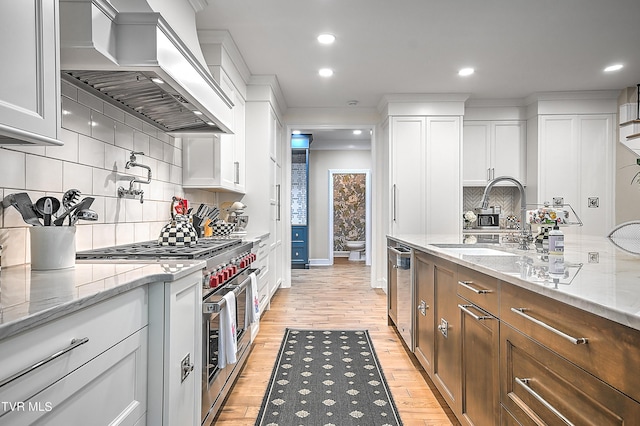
[103, 379]
[175, 337]
[109, 390]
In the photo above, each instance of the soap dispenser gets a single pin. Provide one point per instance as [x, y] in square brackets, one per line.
[556, 240]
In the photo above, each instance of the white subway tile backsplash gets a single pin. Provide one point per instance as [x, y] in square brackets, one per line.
[149, 211]
[115, 158]
[104, 235]
[133, 210]
[113, 112]
[163, 172]
[150, 130]
[90, 101]
[43, 173]
[154, 191]
[14, 246]
[76, 117]
[141, 142]
[68, 151]
[84, 236]
[141, 232]
[77, 176]
[98, 206]
[164, 137]
[125, 233]
[90, 151]
[69, 90]
[93, 160]
[102, 127]
[104, 183]
[156, 149]
[124, 136]
[29, 149]
[132, 121]
[175, 174]
[114, 210]
[13, 166]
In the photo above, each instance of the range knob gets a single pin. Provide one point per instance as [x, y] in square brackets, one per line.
[214, 281]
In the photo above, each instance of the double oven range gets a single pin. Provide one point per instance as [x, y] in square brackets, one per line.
[228, 269]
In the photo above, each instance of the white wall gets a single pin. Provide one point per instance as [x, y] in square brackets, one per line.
[320, 161]
[93, 160]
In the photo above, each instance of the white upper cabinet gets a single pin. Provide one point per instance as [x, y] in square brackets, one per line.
[217, 162]
[30, 75]
[424, 174]
[492, 149]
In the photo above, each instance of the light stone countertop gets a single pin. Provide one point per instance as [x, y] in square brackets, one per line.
[599, 277]
[30, 298]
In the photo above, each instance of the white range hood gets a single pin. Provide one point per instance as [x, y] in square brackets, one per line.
[136, 61]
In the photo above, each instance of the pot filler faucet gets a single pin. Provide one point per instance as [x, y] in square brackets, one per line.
[132, 192]
[525, 230]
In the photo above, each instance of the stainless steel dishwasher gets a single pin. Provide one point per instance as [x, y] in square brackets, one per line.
[400, 293]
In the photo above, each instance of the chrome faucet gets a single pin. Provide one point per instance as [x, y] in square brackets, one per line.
[525, 230]
[132, 192]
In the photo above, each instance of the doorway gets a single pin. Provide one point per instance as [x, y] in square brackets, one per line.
[349, 211]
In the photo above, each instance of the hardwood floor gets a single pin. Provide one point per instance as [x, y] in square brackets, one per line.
[337, 297]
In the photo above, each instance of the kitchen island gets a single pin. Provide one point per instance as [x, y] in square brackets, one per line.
[505, 340]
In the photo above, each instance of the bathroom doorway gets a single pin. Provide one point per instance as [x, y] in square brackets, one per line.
[350, 214]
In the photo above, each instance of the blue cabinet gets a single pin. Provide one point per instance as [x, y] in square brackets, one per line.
[300, 200]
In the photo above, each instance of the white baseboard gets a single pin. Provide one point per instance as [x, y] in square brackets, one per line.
[320, 262]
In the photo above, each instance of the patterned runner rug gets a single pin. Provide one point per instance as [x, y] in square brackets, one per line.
[327, 377]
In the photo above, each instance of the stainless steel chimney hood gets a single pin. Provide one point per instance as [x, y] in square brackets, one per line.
[136, 61]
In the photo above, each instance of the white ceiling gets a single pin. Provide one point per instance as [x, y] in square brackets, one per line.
[518, 47]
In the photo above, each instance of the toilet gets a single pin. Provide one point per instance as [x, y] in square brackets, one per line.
[356, 248]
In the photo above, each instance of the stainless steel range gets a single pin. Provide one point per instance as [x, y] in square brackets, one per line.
[228, 267]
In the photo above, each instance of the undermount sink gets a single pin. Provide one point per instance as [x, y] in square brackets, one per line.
[473, 250]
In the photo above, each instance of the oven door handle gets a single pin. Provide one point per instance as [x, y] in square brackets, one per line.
[216, 307]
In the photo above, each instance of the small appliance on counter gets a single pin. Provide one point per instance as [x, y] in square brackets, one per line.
[487, 218]
[233, 212]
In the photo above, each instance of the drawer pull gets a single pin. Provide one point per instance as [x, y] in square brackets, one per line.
[466, 285]
[422, 307]
[574, 340]
[525, 384]
[465, 309]
[74, 344]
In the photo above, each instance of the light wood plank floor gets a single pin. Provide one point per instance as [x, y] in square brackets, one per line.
[337, 297]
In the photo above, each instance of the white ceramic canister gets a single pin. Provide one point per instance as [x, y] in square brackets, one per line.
[52, 247]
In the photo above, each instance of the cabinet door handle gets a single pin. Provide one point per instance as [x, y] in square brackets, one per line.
[525, 385]
[466, 285]
[236, 174]
[488, 175]
[493, 173]
[574, 340]
[394, 202]
[74, 344]
[465, 309]
[278, 202]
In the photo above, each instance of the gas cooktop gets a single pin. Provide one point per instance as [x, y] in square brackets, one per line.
[205, 248]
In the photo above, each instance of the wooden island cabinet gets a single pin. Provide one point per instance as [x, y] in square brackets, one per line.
[501, 354]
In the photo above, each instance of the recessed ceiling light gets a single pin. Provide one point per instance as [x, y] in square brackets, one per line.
[211, 123]
[157, 80]
[326, 38]
[357, 132]
[197, 112]
[295, 132]
[616, 67]
[326, 72]
[465, 72]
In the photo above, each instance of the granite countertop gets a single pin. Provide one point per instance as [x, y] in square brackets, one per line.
[29, 298]
[598, 277]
